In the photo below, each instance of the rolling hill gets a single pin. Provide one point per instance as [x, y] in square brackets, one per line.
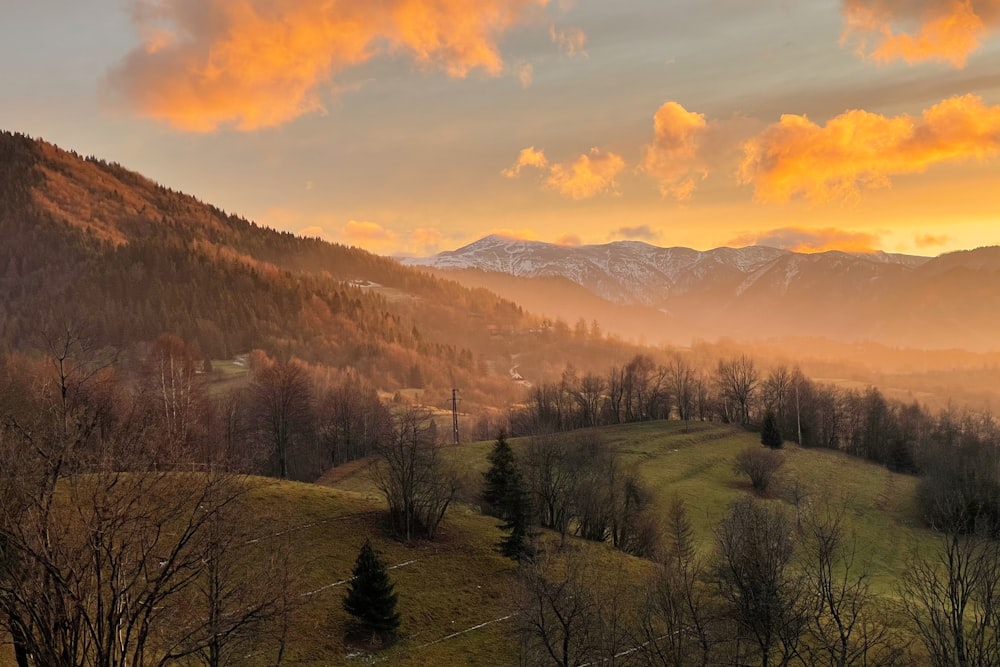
[694, 463]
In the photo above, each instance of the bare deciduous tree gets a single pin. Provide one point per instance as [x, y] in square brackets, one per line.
[100, 543]
[737, 379]
[417, 483]
[283, 398]
[765, 597]
[550, 481]
[952, 595]
[681, 379]
[558, 614]
[676, 623]
[845, 625]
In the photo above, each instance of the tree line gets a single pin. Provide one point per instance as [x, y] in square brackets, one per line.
[904, 437]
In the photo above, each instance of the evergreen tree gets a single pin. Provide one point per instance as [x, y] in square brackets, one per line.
[517, 514]
[504, 496]
[371, 598]
[498, 479]
[770, 434]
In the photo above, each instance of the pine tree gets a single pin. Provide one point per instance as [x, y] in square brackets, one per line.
[371, 598]
[498, 479]
[770, 434]
[504, 496]
[517, 513]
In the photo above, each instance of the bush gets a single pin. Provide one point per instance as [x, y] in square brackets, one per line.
[760, 465]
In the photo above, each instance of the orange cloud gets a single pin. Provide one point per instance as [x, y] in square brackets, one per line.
[428, 240]
[929, 240]
[252, 64]
[368, 235]
[528, 157]
[673, 157]
[569, 240]
[587, 176]
[570, 41]
[858, 149]
[800, 239]
[947, 31]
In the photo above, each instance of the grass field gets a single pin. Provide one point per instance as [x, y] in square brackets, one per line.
[455, 593]
[694, 462]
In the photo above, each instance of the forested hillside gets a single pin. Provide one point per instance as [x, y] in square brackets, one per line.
[89, 242]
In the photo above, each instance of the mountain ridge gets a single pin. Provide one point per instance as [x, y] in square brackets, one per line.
[759, 291]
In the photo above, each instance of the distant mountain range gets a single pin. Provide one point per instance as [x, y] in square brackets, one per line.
[948, 301]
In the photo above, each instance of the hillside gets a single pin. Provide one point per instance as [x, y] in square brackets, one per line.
[125, 259]
[944, 302]
[696, 464]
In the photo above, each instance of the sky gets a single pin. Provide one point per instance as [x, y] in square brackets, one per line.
[415, 126]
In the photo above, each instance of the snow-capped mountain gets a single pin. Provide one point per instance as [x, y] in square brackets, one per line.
[673, 294]
[632, 272]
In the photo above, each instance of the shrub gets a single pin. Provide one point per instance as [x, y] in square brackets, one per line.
[760, 465]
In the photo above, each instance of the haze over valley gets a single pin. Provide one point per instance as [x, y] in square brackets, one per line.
[499, 332]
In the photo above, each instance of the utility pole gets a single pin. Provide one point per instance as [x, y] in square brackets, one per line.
[454, 413]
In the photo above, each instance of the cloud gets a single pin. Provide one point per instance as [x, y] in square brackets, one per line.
[800, 239]
[930, 240]
[528, 157]
[858, 149]
[569, 240]
[251, 64]
[525, 74]
[426, 239]
[587, 176]
[368, 235]
[638, 232]
[673, 157]
[570, 41]
[919, 30]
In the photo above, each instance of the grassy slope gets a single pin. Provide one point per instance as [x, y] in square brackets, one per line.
[458, 582]
[695, 462]
[444, 587]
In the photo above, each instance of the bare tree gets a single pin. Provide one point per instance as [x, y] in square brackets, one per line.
[558, 614]
[242, 596]
[550, 481]
[352, 420]
[776, 393]
[764, 596]
[681, 380]
[178, 392]
[616, 394]
[677, 623]
[588, 397]
[952, 595]
[283, 397]
[845, 626]
[417, 484]
[737, 379]
[99, 545]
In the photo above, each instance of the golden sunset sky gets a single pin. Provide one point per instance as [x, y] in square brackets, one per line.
[413, 126]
